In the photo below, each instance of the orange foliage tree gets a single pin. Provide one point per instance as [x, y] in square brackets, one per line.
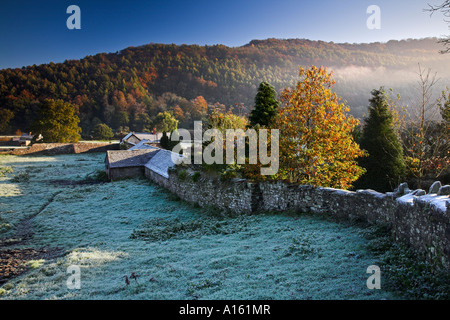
[199, 108]
[316, 144]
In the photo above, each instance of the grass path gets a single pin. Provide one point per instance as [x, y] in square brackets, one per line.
[178, 251]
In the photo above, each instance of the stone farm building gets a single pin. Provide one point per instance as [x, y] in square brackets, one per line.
[144, 145]
[133, 138]
[121, 164]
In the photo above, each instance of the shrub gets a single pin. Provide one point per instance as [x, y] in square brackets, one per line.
[99, 175]
[230, 172]
[182, 174]
[196, 176]
[21, 177]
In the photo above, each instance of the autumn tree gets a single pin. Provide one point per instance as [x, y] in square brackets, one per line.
[316, 143]
[57, 122]
[165, 122]
[218, 107]
[102, 132]
[199, 108]
[266, 105]
[178, 113]
[384, 164]
[226, 120]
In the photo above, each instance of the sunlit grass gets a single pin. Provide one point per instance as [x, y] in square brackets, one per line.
[34, 264]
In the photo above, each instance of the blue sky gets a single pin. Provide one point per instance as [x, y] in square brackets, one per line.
[35, 32]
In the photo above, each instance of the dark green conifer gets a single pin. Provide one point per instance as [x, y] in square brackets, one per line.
[384, 164]
[266, 105]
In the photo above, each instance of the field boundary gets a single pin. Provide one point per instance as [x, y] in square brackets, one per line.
[63, 148]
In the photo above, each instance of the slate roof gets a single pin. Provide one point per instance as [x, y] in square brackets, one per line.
[148, 136]
[144, 136]
[129, 158]
[26, 136]
[142, 145]
[162, 161]
[127, 136]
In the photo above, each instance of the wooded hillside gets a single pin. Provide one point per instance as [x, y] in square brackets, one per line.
[129, 88]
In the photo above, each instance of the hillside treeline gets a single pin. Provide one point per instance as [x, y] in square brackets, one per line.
[127, 89]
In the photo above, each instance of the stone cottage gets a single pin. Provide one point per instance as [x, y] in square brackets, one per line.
[133, 138]
[120, 164]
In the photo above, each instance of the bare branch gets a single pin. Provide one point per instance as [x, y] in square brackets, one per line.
[444, 8]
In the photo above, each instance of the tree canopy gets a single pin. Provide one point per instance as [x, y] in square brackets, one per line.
[266, 106]
[165, 122]
[129, 88]
[316, 143]
[57, 122]
[102, 132]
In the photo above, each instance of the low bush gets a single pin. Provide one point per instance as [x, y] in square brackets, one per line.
[21, 177]
[99, 175]
[196, 176]
[182, 174]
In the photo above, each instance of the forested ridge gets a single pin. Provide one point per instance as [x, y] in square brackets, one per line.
[127, 89]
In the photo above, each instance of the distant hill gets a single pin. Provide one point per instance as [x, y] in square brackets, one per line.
[128, 88]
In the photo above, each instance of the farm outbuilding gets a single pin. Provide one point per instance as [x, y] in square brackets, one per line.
[133, 138]
[121, 164]
[145, 144]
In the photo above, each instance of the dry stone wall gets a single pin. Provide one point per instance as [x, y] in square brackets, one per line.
[64, 148]
[233, 196]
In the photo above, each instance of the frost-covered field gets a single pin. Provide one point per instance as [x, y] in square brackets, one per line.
[179, 252]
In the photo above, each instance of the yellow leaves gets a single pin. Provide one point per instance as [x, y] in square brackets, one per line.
[316, 133]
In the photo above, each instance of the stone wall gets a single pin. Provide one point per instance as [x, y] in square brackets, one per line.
[65, 148]
[124, 173]
[235, 196]
[422, 225]
[425, 228]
